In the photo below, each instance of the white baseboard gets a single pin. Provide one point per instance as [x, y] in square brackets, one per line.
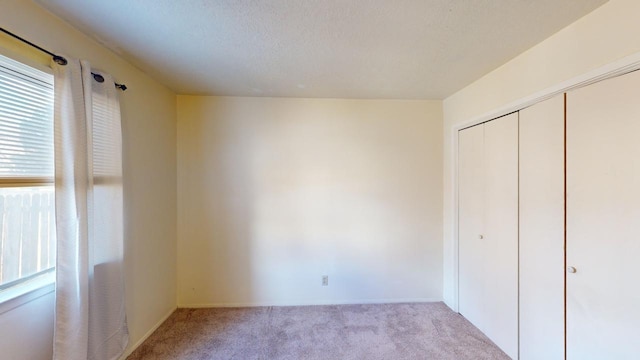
[309, 303]
[155, 327]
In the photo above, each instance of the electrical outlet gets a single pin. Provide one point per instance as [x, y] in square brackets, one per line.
[325, 280]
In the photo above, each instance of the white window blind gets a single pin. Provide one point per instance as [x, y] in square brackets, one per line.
[107, 154]
[27, 207]
[26, 112]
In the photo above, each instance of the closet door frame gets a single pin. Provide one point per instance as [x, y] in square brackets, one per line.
[620, 67]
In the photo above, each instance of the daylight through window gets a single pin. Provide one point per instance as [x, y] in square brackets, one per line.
[27, 221]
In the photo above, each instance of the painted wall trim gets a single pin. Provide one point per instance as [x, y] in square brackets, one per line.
[310, 303]
[147, 334]
[26, 293]
[617, 68]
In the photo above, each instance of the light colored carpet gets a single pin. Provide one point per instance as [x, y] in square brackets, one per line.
[335, 332]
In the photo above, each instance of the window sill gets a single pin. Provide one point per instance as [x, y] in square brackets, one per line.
[21, 294]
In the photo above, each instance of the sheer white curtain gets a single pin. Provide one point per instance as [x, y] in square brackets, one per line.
[90, 320]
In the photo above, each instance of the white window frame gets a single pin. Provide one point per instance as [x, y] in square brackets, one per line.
[43, 284]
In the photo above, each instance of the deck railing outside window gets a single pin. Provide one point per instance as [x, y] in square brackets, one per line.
[27, 233]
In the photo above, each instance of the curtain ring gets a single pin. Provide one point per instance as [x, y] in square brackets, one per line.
[97, 77]
[59, 60]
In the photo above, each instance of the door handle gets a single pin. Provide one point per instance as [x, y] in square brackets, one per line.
[572, 270]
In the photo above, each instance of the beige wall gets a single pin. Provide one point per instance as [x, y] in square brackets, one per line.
[26, 332]
[149, 131]
[273, 193]
[606, 35]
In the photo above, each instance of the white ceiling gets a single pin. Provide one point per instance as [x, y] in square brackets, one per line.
[412, 49]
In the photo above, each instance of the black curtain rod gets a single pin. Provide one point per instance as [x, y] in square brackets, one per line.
[57, 58]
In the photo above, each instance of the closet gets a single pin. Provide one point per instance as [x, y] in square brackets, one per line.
[541, 231]
[549, 225]
[488, 250]
[603, 220]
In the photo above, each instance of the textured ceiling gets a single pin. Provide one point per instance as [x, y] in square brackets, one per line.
[412, 49]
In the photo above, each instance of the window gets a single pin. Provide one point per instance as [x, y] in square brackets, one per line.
[27, 221]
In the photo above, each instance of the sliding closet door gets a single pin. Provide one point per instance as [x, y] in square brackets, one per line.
[603, 220]
[542, 231]
[470, 220]
[501, 232]
[488, 229]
